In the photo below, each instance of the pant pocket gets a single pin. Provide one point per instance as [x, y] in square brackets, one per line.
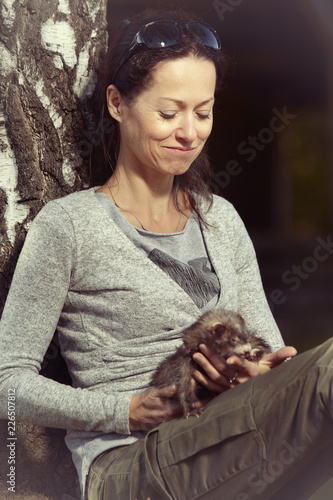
[204, 454]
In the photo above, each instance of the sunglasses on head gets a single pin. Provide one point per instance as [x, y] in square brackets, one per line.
[161, 34]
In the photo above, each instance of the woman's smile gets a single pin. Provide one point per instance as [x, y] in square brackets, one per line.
[180, 151]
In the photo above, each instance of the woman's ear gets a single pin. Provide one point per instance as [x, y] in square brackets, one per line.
[114, 101]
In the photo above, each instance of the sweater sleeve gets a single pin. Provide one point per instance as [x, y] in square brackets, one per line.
[252, 302]
[35, 300]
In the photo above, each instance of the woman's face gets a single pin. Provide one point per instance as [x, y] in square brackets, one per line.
[167, 125]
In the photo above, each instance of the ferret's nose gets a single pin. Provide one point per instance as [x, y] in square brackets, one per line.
[243, 350]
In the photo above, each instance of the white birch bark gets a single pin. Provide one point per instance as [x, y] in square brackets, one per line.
[48, 60]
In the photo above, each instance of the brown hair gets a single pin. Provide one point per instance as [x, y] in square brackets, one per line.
[132, 77]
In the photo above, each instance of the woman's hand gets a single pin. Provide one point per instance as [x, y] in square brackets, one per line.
[221, 375]
[152, 407]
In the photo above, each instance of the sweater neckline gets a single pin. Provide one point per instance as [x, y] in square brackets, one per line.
[207, 237]
[144, 232]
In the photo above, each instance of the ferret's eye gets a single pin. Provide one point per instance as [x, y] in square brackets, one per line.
[233, 341]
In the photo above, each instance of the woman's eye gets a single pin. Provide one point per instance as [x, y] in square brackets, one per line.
[204, 116]
[170, 116]
[167, 116]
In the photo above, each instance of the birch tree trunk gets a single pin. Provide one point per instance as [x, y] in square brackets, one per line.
[49, 56]
[49, 53]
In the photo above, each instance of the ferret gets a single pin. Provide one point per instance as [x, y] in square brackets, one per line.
[225, 333]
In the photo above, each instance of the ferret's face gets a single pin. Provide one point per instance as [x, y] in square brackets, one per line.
[230, 334]
[223, 331]
[231, 342]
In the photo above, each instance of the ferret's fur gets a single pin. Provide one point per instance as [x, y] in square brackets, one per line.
[225, 333]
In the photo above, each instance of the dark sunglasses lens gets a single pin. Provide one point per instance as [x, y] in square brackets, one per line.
[206, 35]
[160, 34]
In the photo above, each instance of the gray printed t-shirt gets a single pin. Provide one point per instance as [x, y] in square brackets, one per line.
[183, 255]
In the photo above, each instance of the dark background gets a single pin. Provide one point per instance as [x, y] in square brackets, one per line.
[281, 61]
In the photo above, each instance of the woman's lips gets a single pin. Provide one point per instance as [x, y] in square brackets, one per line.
[181, 151]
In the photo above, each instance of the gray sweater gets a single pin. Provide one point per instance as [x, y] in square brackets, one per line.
[117, 314]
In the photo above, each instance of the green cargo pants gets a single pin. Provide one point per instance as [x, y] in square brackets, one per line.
[269, 438]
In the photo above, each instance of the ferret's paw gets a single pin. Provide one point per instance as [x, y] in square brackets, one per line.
[194, 412]
[255, 355]
[255, 351]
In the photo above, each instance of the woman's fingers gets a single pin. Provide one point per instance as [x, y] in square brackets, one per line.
[216, 387]
[219, 371]
[217, 376]
[245, 369]
[220, 374]
[152, 407]
[278, 357]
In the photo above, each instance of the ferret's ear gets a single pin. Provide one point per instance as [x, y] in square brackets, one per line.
[218, 329]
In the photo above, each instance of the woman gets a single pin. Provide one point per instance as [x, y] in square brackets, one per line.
[121, 269]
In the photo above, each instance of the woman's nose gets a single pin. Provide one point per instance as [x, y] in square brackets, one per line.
[187, 130]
